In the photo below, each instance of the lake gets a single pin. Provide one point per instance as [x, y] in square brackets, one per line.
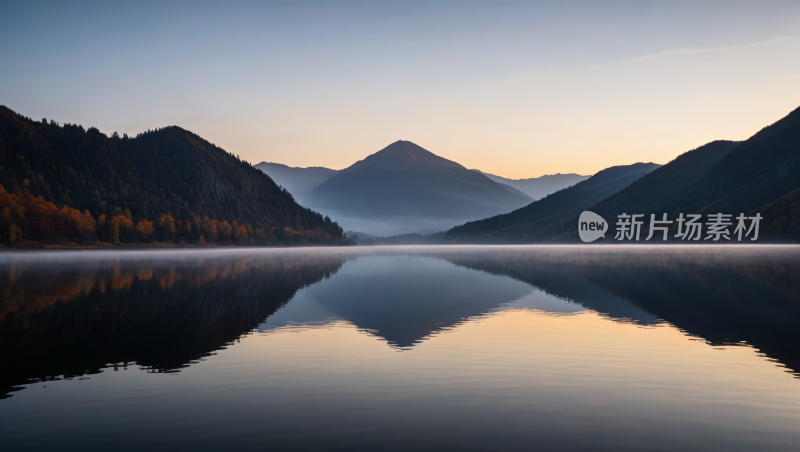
[397, 348]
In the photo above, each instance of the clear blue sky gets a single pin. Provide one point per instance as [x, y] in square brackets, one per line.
[518, 89]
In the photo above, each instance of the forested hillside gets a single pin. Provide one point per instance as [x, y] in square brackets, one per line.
[525, 225]
[70, 184]
[664, 184]
[758, 172]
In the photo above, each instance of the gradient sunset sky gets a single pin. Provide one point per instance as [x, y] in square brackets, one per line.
[518, 89]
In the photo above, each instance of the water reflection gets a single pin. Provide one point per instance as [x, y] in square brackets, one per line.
[71, 314]
[406, 299]
[731, 296]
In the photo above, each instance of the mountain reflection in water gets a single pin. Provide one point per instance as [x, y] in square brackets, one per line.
[71, 314]
[406, 299]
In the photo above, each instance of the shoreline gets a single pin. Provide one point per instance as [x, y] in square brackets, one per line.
[163, 246]
[139, 246]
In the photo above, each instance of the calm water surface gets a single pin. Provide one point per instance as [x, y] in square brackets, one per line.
[459, 348]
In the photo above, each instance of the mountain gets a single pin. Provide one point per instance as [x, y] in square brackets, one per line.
[539, 187]
[414, 238]
[427, 232]
[524, 225]
[64, 183]
[360, 235]
[296, 180]
[663, 185]
[759, 175]
[423, 237]
[513, 190]
[404, 188]
[760, 171]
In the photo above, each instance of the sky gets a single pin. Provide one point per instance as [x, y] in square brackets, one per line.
[516, 89]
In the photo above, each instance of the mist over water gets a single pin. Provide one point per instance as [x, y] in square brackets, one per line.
[508, 347]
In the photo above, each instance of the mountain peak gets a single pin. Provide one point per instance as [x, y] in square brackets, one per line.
[403, 187]
[403, 155]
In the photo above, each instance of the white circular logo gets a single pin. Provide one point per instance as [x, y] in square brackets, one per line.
[591, 226]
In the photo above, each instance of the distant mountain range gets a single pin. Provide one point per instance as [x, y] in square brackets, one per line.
[400, 189]
[422, 234]
[70, 184]
[526, 224]
[66, 183]
[539, 187]
[405, 188]
[758, 176]
[299, 181]
[296, 180]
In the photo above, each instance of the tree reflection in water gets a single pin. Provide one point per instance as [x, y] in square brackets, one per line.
[72, 315]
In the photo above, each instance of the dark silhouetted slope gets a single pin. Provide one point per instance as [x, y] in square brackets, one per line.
[653, 191]
[781, 218]
[759, 171]
[760, 175]
[526, 224]
[664, 185]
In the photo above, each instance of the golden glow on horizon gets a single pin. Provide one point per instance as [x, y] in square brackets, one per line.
[544, 347]
[575, 120]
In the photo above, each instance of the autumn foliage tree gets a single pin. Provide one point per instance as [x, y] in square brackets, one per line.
[87, 226]
[123, 226]
[209, 227]
[144, 230]
[166, 227]
[240, 233]
[225, 232]
[12, 216]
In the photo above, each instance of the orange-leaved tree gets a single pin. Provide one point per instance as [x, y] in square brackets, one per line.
[144, 230]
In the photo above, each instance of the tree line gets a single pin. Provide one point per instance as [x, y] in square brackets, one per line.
[27, 217]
